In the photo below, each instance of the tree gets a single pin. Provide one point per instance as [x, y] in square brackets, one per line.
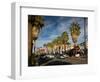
[55, 44]
[50, 47]
[65, 39]
[37, 22]
[75, 32]
[59, 43]
[45, 45]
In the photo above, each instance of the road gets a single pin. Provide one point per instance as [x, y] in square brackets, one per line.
[69, 60]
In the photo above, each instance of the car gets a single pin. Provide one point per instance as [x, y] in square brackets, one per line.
[77, 55]
[50, 56]
[62, 57]
[65, 55]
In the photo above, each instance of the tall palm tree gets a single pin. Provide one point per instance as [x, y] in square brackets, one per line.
[75, 31]
[59, 43]
[37, 23]
[50, 47]
[65, 39]
[55, 43]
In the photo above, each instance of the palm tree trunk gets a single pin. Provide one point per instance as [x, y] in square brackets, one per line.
[33, 47]
[75, 44]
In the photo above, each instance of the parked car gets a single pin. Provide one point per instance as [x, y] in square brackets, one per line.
[50, 56]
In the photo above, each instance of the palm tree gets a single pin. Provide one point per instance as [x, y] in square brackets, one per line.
[37, 23]
[59, 43]
[50, 47]
[45, 45]
[55, 43]
[65, 39]
[75, 32]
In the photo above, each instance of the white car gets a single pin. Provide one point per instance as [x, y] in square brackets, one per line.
[62, 57]
[50, 56]
[65, 56]
[77, 55]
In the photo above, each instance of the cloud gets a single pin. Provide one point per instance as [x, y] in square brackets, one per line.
[54, 26]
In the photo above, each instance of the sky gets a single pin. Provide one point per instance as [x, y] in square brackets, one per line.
[55, 25]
